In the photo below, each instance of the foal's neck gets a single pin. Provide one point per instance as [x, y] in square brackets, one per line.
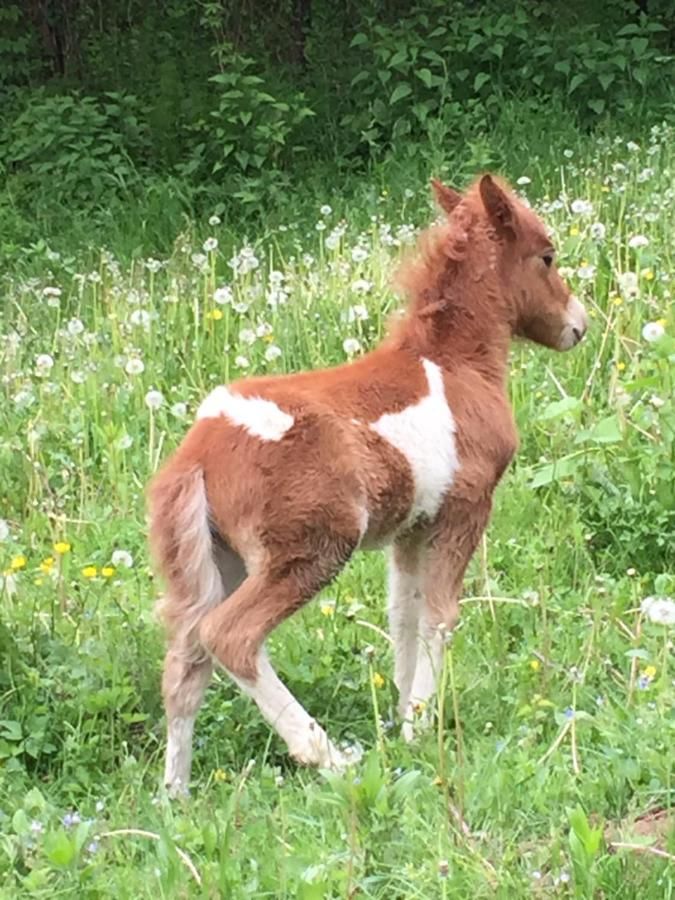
[461, 321]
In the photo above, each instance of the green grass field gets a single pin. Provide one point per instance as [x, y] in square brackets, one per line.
[558, 721]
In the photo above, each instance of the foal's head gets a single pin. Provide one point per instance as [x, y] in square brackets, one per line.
[540, 305]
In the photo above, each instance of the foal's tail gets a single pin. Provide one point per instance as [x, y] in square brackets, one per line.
[182, 546]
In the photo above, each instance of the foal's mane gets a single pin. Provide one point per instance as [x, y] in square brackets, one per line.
[442, 249]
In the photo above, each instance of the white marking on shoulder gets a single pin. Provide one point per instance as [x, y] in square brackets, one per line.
[261, 418]
[425, 434]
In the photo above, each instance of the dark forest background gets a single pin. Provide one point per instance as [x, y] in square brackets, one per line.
[230, 105]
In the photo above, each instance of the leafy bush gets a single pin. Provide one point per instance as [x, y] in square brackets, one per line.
[76, 146]
[251, 131]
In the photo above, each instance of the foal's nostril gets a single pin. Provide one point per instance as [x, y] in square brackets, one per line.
[578, 334]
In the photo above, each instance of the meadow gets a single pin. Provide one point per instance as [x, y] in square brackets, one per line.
[551, 774]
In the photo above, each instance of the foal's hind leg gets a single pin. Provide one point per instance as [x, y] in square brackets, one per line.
[234, 633]
[187, 671]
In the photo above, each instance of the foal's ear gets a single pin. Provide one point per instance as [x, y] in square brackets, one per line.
[446, 197]
[498, 207]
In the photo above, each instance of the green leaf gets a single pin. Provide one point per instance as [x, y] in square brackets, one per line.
[606, 431]
[562, 468]
[559, 408]
[400, 91]
[358, 39]
[562, 66]
[597, 105]
[398, 57]
[425, 76]
[480, 79]
[606, 79]
[576, 81]
[59, 849]
[639, 45]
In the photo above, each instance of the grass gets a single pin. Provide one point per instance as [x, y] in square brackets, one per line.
[558, 704]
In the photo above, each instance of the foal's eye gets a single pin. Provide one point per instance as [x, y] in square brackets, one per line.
[548, 260]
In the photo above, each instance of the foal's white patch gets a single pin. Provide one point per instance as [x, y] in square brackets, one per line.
[425, 435]
[261, 418]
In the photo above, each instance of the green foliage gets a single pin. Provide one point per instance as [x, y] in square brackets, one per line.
[251, 133]
[76, 147]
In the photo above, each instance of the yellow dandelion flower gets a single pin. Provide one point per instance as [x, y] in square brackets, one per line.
[621, 366]
[574, 231]
[38, 581]
[107, 571]
[378, 680]
[215, 314]
[605, 189]
[419, 707]
[617, 301]
[219, 775]
[661, 322]
[648, 274]
[649, 672]
[328, 610]
[535, 665]
[61, 547]
[18, 562]
[268, 338]
[89, 572]
[47, 565]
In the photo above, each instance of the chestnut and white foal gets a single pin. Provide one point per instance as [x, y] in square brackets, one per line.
[281, 479]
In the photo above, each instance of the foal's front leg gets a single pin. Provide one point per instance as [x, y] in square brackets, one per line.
[404, 614]
[441, 573]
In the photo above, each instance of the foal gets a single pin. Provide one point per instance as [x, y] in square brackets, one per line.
[282, 478]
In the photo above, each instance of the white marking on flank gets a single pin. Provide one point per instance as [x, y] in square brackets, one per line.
[425, 434]
[261, 418]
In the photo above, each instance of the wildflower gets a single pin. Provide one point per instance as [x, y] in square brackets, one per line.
[586, 271]
[264, 330]
[273, 352]
[569, 713]
[649, 672]
[4, 530]
[359, 254]
[89, 572]
[47, 565]
[357, 314]
[660, 610]
[361, 286]
[219, 775]
[153, 265]
[179, 409]
[51, 292]
[247, 336]
[598, 231]
[134, 366]
[122, 558]
[214, 220]
[628, 284]
[18, 562]
[215, 314]
[351, 346]
[36, 827]
[92, 847]
[223, 295]
[71, 819]
[616, 300]
[638, 241]
[140, 317]
[210, 244]
[581, 207]
[568, 154]
[647, 274]
[241, 362]
[43, 363]
[632, 147]
[535, 665]
[75, 327]
[328, 610]
[62, 547]
[320, 225]
[653, 331]
[574, 231]
[199, 261]
[378, 680]
[108, 571]
[523, 180]
[154, 399]
[325, 210]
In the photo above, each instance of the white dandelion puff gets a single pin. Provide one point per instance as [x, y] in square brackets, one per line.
[653, 331]
[154, 399]
[134, 366]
